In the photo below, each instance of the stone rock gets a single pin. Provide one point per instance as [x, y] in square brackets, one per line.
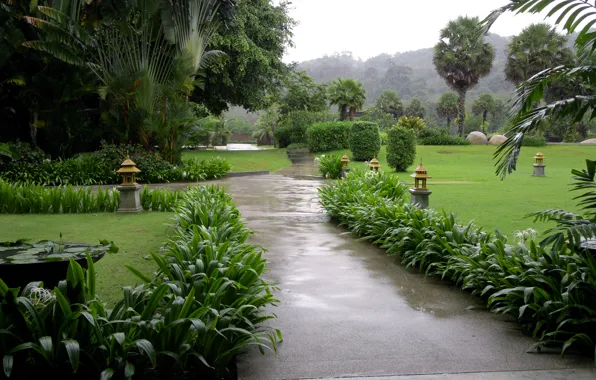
[589, 141]
[497, 140]
[477, 138]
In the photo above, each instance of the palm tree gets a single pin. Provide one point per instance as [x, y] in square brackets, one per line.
[537, 48]
[348, 95]
[448, 107]
[461, 58]
[484, 105]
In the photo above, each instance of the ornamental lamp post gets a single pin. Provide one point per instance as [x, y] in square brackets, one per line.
[420, 193]
[130, 200]
[539, 165]
[345, 163]
[375, 165]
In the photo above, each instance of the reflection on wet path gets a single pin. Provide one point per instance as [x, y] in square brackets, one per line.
[346, 309]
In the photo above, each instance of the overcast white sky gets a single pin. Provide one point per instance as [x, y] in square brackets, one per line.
[371, 27]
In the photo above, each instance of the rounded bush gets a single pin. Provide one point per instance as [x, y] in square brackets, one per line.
[533, 141]
[434, 136]
[365, 141]
[292, 127]
[401, 151]
[323, 137]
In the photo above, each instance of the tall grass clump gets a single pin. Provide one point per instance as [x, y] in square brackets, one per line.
[550, 290]
[204, 305]
[330, 166]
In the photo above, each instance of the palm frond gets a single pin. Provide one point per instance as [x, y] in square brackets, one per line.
[58, 50]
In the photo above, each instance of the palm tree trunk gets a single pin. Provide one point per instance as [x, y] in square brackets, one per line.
[352, 111]
[342, 112]
[449, 124]
[461, 112]
[484, 116]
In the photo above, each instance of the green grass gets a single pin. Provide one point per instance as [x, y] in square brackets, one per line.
[464, 183]
[135, 235]
[246, 161]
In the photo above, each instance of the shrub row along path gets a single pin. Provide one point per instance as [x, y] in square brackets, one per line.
[348, 310]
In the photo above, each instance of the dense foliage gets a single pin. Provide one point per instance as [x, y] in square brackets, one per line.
[348, 95]
[364, 140]
[534, 141]
[434, 136]
[401, 148]
[292, 127]
[549, 290]
[330, 166]
[333, 135]
[98, 168]
[26, 198]
[204, 305]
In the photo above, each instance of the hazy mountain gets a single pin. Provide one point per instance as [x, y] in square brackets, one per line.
[411, 74]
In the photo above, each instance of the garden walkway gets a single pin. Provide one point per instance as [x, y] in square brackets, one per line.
[348, 310]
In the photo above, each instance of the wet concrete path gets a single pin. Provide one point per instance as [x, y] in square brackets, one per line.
[348, 310]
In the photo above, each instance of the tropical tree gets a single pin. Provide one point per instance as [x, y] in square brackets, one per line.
[447, 107]
[538, 47]
[303, 94]
[461, 58]
[416, 109]
[267, 124]
[390, 103]
[348, 95]
[485, 104]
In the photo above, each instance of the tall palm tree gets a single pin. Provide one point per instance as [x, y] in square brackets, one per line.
[537, 48]
[461, 58]
[348, 95]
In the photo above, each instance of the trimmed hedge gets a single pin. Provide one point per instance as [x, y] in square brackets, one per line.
[433, 136]
[324, 137]
[292, 127]
[365, 140]
[401, 150]
[533, 141]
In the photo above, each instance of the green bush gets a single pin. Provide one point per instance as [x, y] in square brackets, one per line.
[330, 166]
[401, 150]
[533, 141]
[324, 137]
[364, 140]
[541, 287]
[384, 138]
[205, 305]
[434, 136]
[292, 127]
[297, 146]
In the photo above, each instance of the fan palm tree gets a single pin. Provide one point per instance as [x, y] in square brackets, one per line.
[348, 95]
[461, 58]
[537, 48]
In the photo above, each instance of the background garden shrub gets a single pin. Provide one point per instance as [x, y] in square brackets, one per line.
[401, 148]
[435, 136]
[534, 141]
[324, 137]
[292, 127]
[365, 141]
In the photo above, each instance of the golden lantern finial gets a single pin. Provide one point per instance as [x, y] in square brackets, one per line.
[539, 157]
[345, 161]
[420, 176]
[127, 171]
[375, 165]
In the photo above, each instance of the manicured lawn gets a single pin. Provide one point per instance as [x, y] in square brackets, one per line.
[464, 183]
[246, 161]
[135, 235]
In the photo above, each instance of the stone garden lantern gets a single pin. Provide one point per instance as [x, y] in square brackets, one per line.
[345, 163]
[420, 193]
[539, 165]
[130, 200]
[375, 165]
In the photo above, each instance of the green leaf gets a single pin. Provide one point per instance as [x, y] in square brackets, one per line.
[107, 374]
[73, 351]
[7, 363]
[146, 346]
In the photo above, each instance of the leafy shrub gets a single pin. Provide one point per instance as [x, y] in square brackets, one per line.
[541, 286]
[100, 167]
[414, 123]
[297, 146]
[534, 141]
[364, 141]
[434, 136]
[401, 150]
[324, 137]
[204, 306]
[330, 166]
[384, 138]
[292, 127]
